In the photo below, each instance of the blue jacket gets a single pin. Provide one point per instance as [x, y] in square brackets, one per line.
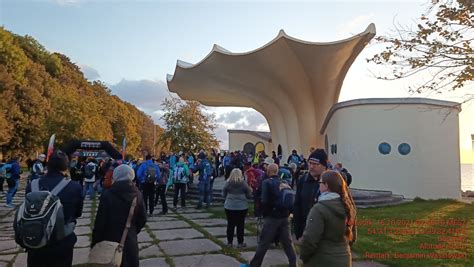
[15, 169]
[172, 161]
[190, 161]
[204, 167]
[142, 170]
[226, 161]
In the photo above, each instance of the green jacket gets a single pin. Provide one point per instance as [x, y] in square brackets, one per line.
[324, 242]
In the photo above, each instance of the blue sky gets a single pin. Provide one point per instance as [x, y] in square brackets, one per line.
[132, 45]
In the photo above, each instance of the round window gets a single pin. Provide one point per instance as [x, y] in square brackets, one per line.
[404, 148]
[384, 148]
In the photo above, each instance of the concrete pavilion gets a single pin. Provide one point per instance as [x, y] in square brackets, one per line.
[293, 83]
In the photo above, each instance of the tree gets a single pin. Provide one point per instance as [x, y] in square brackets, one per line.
[187, 127]
[441, 45]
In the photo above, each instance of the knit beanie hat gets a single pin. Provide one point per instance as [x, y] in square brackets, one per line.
[319, 156]
[123, 172]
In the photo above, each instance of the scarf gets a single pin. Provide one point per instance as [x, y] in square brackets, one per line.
[328, 196]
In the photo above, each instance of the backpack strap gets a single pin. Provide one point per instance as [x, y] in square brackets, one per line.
[35, 185]
[129, 222]
[60, 186]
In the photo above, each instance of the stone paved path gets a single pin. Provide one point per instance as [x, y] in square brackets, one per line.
[187, 237]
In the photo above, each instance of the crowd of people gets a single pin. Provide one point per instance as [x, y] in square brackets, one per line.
[306, 197]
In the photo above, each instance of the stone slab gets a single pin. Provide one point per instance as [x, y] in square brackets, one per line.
[221, 231]
[81, 256]
[168, 225]
[272, 257]
[162, 218]
[7, 245]
[202, 215]
[83, 222]
[177, 234]
[251, 241]
[143, 236]
[153, 262]
[191, 246]
[82, 230]
[7, 257]
[210, 222]
[150, 251]
[144, 245]
[205, 261]
[188, 210]
[83, 242]
[20, 260]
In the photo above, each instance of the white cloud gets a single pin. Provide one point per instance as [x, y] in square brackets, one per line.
[90, 73]
[146, 94]
[353, 26]
[68, 2]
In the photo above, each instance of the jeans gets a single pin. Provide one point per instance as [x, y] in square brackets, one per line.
[179, 188]
[271, 228]
[89, 189]
[12, 191]
[235, 219]
[204, 193]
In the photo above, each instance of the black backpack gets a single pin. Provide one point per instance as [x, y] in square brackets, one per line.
[150, 174]
[40, 219]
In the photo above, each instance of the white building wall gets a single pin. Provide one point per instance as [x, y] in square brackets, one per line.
[238, 140]
[431, 170]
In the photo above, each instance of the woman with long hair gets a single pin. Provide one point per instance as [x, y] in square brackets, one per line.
[330, 228]
[236, 192]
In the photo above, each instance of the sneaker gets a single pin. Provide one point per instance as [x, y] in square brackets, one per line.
[150, 215]
[11, 206]
[162, 213]
[243, 245]
[229, 245]
[174, 209]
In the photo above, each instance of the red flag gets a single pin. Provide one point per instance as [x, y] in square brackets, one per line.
[50, 146]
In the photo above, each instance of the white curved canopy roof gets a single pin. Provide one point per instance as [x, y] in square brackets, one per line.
[293, 83]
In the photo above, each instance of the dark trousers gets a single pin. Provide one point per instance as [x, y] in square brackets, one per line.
[235, 218]
[271, 228]
[179, 188]
[148, 191]
[59, 256]
[2, 181]
[161, 193]
[228, 169]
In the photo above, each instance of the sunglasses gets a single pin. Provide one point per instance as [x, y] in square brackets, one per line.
[322, 182]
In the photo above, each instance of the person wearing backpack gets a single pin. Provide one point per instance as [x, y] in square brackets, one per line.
[294, 158]
[113, 212]
[205, 175]
[12, 174]
[161, 187]
[57, 250]
[331, 229]
[148, 175]
[180, 180]
[37, 170]
[90, 172]
[236, 192]
[275, 219]
[307, 190]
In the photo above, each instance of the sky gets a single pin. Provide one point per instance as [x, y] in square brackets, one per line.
[133, 45]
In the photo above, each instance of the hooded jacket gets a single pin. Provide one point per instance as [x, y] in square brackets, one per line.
[112, 216]
[324, 242]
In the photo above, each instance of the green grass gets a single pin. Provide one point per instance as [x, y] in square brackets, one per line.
[416, 210]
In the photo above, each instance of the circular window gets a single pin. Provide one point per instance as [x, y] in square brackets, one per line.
[384, 148]
[404, 148]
